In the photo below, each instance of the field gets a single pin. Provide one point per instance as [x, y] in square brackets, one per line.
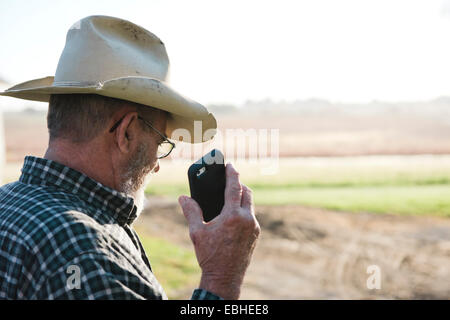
[325, 220]
[347, 193]
[308, 253]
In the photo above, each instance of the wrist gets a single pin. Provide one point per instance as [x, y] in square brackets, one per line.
[228, 288]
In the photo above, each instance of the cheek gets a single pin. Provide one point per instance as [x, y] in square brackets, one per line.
[153, 157]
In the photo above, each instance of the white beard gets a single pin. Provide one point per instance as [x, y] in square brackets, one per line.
[139, 195]
[139, 199]
[136, 178]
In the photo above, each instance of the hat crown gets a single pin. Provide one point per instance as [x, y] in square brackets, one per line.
[101, 48]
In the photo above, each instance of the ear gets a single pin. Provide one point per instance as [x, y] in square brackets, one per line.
[126, 133]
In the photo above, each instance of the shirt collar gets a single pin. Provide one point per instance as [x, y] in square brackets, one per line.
[117, 205]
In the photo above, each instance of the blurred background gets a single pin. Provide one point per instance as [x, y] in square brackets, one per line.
[360, 95]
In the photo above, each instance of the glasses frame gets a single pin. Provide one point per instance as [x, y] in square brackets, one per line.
[165, 139]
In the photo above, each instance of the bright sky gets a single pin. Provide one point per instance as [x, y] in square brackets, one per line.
[231, 51]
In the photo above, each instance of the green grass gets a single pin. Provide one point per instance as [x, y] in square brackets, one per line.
[411, 199]
[176, 268]
[414, 200]
[401, 187]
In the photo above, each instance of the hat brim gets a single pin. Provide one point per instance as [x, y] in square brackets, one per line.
[184, 113]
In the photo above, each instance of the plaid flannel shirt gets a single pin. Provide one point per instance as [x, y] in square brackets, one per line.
[65, 236]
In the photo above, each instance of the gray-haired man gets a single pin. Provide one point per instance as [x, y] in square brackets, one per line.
[110, 113]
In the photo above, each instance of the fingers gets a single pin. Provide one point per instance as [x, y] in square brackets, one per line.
[191, 211]
[247, 198]
[233, 188]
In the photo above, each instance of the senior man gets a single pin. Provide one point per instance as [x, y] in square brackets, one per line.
[70, 213]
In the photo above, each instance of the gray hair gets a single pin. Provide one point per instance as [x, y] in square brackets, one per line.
[80, 118]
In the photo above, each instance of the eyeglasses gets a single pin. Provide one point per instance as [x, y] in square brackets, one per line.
[164, 148]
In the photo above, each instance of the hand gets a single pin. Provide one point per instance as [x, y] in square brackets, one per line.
[224, 245]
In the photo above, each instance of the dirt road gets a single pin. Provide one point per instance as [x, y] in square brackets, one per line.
[306, 253]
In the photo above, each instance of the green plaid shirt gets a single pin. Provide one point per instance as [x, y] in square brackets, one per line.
[66, 236]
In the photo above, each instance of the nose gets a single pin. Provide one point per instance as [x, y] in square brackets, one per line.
[156, 169]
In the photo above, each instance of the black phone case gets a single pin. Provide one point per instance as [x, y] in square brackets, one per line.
[207, 184]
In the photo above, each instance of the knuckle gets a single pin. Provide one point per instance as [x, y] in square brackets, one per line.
[237, 221]
[231, 209]
[236, 191]
[236, 187]
[235, 212]
[234, 174]
[247, 218]
[243, 217]
[254, 225]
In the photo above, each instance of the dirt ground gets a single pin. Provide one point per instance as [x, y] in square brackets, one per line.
[306, 253]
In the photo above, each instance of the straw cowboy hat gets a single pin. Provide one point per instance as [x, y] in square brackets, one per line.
[116, 58]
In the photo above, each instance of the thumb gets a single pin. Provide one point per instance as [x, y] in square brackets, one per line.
[191, 211]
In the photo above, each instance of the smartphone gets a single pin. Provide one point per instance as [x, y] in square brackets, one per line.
[207, 183]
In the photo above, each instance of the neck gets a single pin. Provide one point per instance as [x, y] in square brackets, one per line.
[88, 158]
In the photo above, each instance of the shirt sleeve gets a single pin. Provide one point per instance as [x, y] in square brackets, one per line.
[93, 276]
[201, 294]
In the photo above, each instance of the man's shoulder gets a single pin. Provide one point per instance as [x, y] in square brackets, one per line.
[37, 203]
[17, 196]
[48, 221]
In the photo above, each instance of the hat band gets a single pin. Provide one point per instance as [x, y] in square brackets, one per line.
[74, 83]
